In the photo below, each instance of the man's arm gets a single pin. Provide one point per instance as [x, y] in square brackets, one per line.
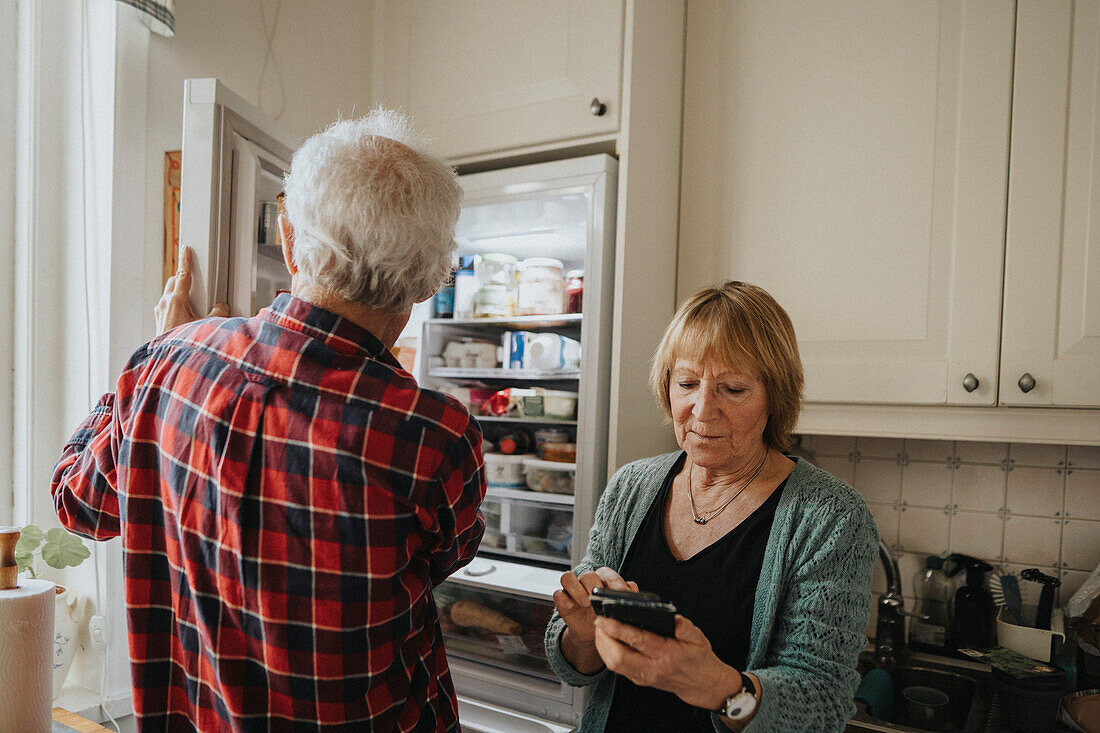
[84, 479]
[461, 525]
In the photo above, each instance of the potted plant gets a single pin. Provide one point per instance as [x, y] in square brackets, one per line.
[59, 549]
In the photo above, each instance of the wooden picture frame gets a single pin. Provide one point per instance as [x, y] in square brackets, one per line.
[172, 160]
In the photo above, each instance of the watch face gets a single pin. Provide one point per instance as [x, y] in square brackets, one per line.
[740, 706]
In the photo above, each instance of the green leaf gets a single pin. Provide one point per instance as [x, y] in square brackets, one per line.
[30, 537]
[24, 560]
[63, 550]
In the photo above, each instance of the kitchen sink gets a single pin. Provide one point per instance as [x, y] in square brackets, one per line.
[967, 688]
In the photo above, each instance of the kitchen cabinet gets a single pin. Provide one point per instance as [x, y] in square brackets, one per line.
[912, 182]
[1051, 325]
[492, 75]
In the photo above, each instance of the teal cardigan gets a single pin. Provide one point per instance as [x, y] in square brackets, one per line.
[812, 599]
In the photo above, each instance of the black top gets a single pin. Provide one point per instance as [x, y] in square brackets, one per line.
[715, 588]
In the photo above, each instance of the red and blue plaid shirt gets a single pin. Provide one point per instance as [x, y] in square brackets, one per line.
[287, 498]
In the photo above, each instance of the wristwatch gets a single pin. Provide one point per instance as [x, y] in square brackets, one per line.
[742, 704]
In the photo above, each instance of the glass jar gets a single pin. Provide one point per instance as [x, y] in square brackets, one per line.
[541, 287]
[574, 291]
[494, 301]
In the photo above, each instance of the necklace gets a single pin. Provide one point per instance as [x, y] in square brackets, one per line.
[707, 516]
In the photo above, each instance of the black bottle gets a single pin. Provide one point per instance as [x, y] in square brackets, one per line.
[972, 625]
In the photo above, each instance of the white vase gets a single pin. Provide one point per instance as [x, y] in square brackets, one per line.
[70, 613]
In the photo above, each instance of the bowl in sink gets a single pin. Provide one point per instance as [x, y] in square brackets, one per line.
[947, 698]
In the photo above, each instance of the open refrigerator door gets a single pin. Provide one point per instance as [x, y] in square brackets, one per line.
[524, 341]
[232, 165]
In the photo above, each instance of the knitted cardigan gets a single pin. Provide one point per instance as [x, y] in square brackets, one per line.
[812, 598]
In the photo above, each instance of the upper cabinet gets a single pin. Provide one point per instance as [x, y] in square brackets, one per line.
[861, 160]
[486, 76]
[1051, 330]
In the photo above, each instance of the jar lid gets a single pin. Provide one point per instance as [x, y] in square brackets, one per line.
[541, 262]
[574, 273]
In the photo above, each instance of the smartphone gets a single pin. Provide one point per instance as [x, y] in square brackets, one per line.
[644, 610]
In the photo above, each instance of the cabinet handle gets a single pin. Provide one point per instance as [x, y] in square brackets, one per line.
[970, 382]
[597, 108]
[1026, 383]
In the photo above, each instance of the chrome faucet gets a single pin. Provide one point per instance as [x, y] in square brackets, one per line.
[890, 630]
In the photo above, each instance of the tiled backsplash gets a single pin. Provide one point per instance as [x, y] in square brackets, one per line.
[1015, 505]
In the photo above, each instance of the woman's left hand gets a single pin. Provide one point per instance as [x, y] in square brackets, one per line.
[684, 665]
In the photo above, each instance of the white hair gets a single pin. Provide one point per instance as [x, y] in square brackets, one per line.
[373, 212]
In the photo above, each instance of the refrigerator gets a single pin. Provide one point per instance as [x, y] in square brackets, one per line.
[233, 161]
[536, 526]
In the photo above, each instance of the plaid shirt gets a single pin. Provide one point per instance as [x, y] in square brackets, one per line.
[287, 497]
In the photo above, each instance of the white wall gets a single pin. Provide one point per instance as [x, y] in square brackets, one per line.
[321, 49]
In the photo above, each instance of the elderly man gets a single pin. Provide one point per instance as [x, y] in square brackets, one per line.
[287, 495]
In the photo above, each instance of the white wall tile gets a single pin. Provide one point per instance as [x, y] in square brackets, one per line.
[1080, 544]
[979, 535]
[886, 519]
[927, 484]
[1036, 491]
[1034, 454]
[979, 488]
[925, 530]
[972, 452]
[1084, 456]
[1071, 581]
[930, 450]
[879, 447]
[1083, 494]
[878, 578]
[878, 480]
[843, 468]
[908, 565]
[1032, 540]
[832, 445]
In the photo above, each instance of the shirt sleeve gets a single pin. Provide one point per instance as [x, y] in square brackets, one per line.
[462, 486]
[84, 479]
[819, 632]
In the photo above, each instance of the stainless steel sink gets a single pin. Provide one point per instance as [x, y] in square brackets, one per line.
[967, 688]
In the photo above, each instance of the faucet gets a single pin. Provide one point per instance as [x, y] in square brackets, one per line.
[890, 630]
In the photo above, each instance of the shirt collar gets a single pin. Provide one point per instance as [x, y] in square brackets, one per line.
[336, 332]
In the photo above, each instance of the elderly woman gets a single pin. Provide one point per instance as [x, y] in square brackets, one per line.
[286, 494]
[766, 557]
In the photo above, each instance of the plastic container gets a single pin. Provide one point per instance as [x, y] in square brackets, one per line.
[550, 404]
[504, 471]
[494, 301]
[515, 442]
[549, 477]
[550, 435]
[465, 286]
[443, 304]
[551, 351]
[1029, 705]
[541, 287]
[471, 354]
[559, 452]
[1031, 642]
[933, 591]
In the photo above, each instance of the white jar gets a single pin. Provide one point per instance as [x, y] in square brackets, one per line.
[541, 287]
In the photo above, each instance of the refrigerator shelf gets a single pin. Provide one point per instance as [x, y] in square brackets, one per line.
[505, 374]
[560, 319]
[510, 420]
[541, 497]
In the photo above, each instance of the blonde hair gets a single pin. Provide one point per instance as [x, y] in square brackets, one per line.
[738, 325]
[373, 211]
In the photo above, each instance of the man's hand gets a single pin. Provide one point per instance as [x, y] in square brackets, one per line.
[174, 307]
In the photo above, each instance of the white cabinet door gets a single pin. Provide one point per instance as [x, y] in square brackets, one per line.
[852, 159]
[488, 75]
[1052, 267]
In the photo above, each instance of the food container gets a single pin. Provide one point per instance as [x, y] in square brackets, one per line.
[1031, 642]
[574, 291]
[471, 354]
[496, 286]
[503, 471]
[491, 511]
[551, 351]
[550, 435]
[559, 452]
[549, 477]
[541, 287]
[551, 404]
[494, 301]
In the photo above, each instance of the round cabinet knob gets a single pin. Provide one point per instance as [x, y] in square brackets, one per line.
[970, 383]
[597, 108]
[1026, 383]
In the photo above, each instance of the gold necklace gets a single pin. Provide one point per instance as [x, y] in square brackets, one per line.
[707, 516]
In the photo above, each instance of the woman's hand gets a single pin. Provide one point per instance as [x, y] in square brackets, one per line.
[572, 602]
[174, 307]
[684, 665]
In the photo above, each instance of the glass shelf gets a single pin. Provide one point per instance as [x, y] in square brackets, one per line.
[542, 497]
[559, 319]
[507, 374]
[505, 419]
